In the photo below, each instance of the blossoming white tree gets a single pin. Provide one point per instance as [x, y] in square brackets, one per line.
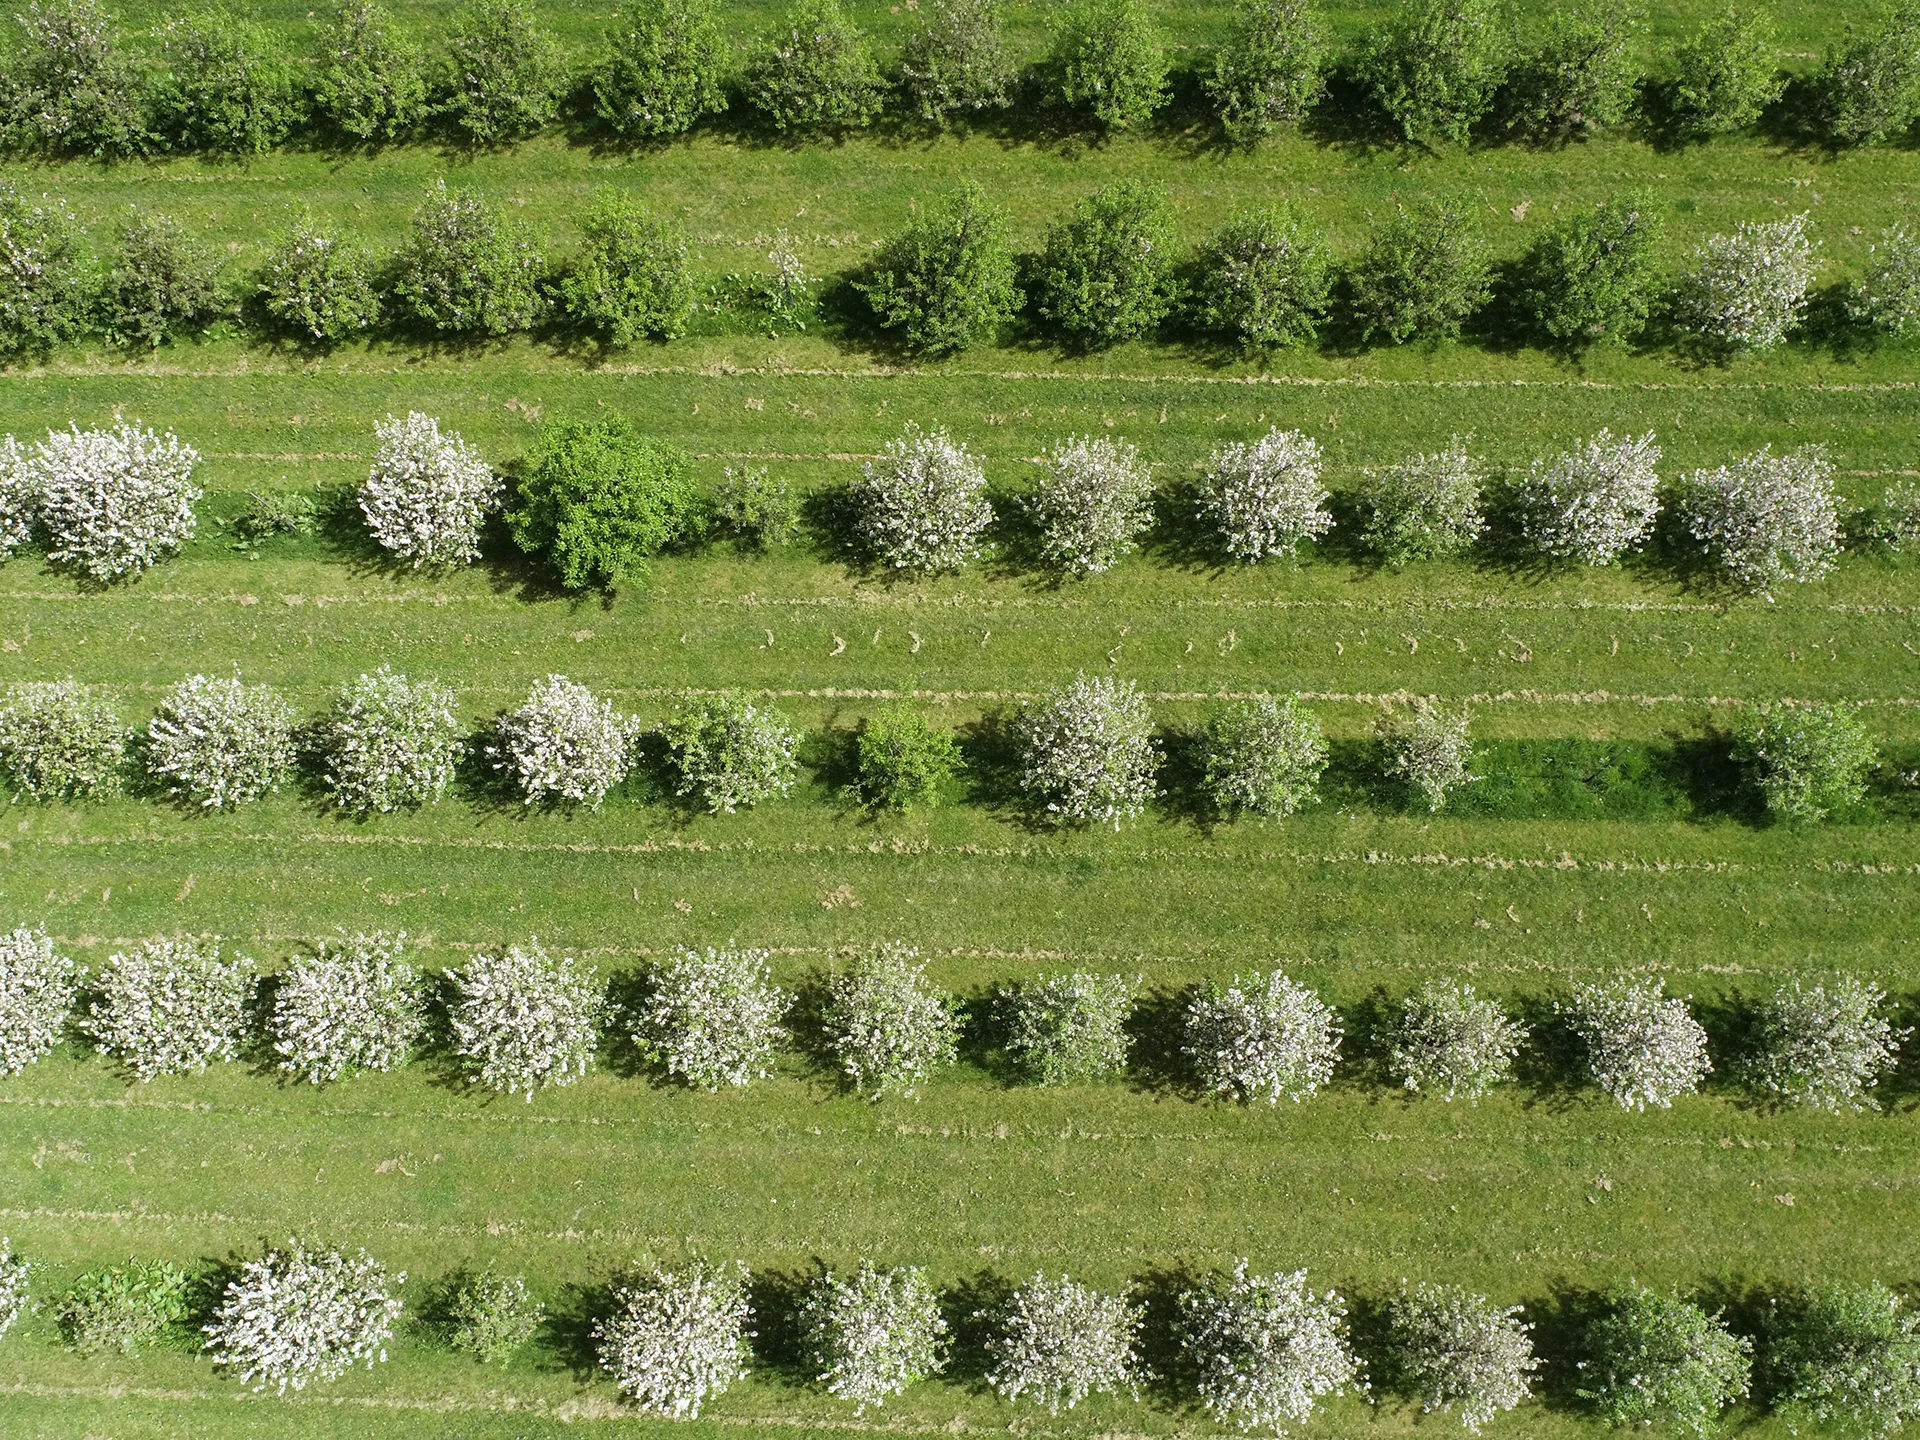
[1824, 1046]
[37, 986]
[428, 492]
[1087, 751]
[1452, 1042]
[1642, 1046]
[1748, 289]
[1430, 749]
[15, 1300]
[1267, 1351]
[113, 502]
[1594, 502]
[1424, 508]
[219, 742]
[390, 742]
[522, 1019]
[1768, 520]
[167, 1007]
[677, 1338]
[1264, 757]
[1063, 1028]
[1456, 1350]
[922, 505]
[564, 744]
[352, 1004]
[871, 1334]
[888, 1029]
[19, 497]
[1262, 1038]
[60, 741]
[712, 1019]
[299, 1314]
[1888, 294]
[1265, 498]
[1092, 501]
[1060, 1341]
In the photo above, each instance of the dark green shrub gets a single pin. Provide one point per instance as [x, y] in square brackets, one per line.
[816, 72]
[957, 62]
[1264, 280]
[162, 284]
[1579, 76]
[1847, 1357]
[661, 70]
[227, 88]
[1424, 272]
[1433, 69]
[489, 1316]
[946, 280]
[372, 82]
[1591, 279]
[630, 280]
[123, 1308]
[1659, 1359]
[1105, 273]
[70, 89]
[1870, 87]
[317, 287]
[1807, 761]
[1110, 60]
[1271, 68]
[904, 760]
[598, 499]
[43, 280]
[465, 270]
[1725, 75]
[753, 508]
[501, 75]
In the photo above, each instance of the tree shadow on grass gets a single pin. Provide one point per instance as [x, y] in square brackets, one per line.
[1552, 1064]
[1370, 1024]
[1169, 1374]
[565, 1340]
[1562, 1319]
[777, 1299]
[983, 1031]
[990, 772]
[1181, 536]
[1157, 1062]
[1183, 780]
[973, 1307]
[1733, 1023]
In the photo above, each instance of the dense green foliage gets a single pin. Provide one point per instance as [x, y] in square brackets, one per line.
[598, 500]
[1591, 279]
[501, 74]
[1433, 68]
[630, 280]
[1271, 70]
[905, 760]
[1725, 74]
[1105, 272]
[815, 72]
[947, 279]
[662, 69]
[1264, 280]
[1425, 271]
[464, 269]
[1110, 61]
[372, 85]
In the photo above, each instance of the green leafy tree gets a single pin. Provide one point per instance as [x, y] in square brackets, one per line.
[1848, 1357]
[1263, 280]
[1105, 273]
[227, 87]
[43, 278]
[1578, 77]
[465, 270]
[1425, 271]
[946, 280]
[1655, 1359]
[1270, 70]
[598, 500]
[1870, 86]
[501, 74]
[1807, 761]
[630, 281]
[661, 69]
[162, 284]
[1591, 279]
[318, 287]
[372, 83]
[69, 87]
[904, 759]
[1433, 69]
[1725, 74]
[957, 62]
[1110, 60]
[815, 72]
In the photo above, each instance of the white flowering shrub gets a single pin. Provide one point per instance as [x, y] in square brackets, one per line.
[1887, 297]
[1595, 502]
[1087, 751]
[712, 1018]
[19, 496]
[886, 1027]
[1768, 520]
[677, 1338]
[353, 1004]
[1847, 1357]
[923, 505]
[168, 1007]
[1093, 500]
[1643, 1047]
[1425, 508]
[1266, 1351]
[220, 743]
[1265, 498]
[1060, 1341]
[297, 1315]
[1062, 1028]
[113, 502]
[427, 493]
[872, 1334]
[390, 743]
[14, 1275]
[564, 745]
[1430, 750]
[1454, 1043]
[1655, 1359]
[1748, 289]
[1826, 1045]
[37, 987]
[522, 1019]
[1807, 761]
[1458, 1351]
[1263, 757]
[60, 742]
[730, 752]
[1262, 1038]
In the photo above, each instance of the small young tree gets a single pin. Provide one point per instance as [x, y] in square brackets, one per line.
[522, 1019]
[43, 281]
[371, 86]
[58, 741]
[712, 1020]
[390, 743]
[1870, 86]
[490, 1316]
[597, 500]
[1807, 761]
[15, 1272]
[1094, 497]
[297, 1315]
[317, 287]
[1263, 757]
[904, 760]
[630, 281]
[1265, 498]
[1453, 1043]
[1059, 1342]
[1594, 502]
[227, 87]
[956, 63]
[564, 746]
[946, 280]
[37, 988]
[1592, 279]
[887, 1028]
[1887, 296]
[1262, 1038]
[1430, 750]
[19, 497]
[1066, 1028]
[465, 270]
[758, 511]
[1643, 1048]
[872, 1334]
[677, 1338]
[348, 1005]
[815, 72]
[1425, 508]
[1270, 70]
[923, 504]
[1424, 272]
[427, 493]
[1433, 69]
[1264, 278]
[1725, 74]
[1748, 289]
[1110, 61]
[661, 70]
[1848, 1357]
[1825, 1046]
[73, 90]
[1658, 1359]
[220, 743]
[730, 752]
[1105, 272]
[1087, 752]
[1577, 78]
[1455, 1350]
[122, 1309]
[112, 502]
[501, 74]
[1265, 1349]
[161, 284]
[1768, 520]
[1898, 525]
[170, 1007]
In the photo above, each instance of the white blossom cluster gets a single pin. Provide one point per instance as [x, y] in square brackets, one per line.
[1643, 1046]
[731, 753]
[1266, 1350]
[522, 1019]
[1093, 500]
[1596, 501]
[390, 742]
[353, 1004]
[1061, 1028]
[1265, 498]
[1263, 756]
[1454, 1043]
[219, 742]
[677, 1338]
[564, 744]
[1888, 295]
[1424, 508]
[112, 502]
[14, 1275]
[712, 1018]
[872, 1334]
[37, 986]
[1061, 1341]
[58, 741]
[1459, 1351]
[1431, 750]
[1748, 289]
[1262, 1038]
[1825, 1045]
[1768, 520]
[19, 497]
[167, 1007]
[923, 505]
[427, 493]
[888, 1029]
[1087, 751]
[299, 1314]
[1900, 525]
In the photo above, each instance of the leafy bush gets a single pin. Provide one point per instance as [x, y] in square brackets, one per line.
[501, 75]
[1264, 278]
[1887, 296]
[1265, 498]
[785, 291]
[565, 745]
[1658, 1359]
[490, 1316]
[1266, 1349]
[14, 1274]
[269, 513]
[390, 743]
[1109, 59]
[1643, 1048]
[299, 1314]
[19, 497]
[730, 752]
[1425, 508]
[904, 759]
[37, 987]
[1094, 497]
[1453, 1043]
[427, 493]
[161, 283]
[1060, 1341]
[1433, 68]
[169, 1007]
[871, 1335]
[815, 72]
[1087, 751]
[1847, 1357]
[1105, 272]
[630, 280]
[1423, 273]
[946, 280]
[1768, 520]
[677, 1338]
[886, 1027]
[1748, 289]
[59, 742]
[1430, 749]
[1807, 761]
[757, 510]
[956, 62]
[597, 500]
[1870, 86]
[1578, 77]
[1270, 70]
[522, 1019]
[1066, 1028]
[712, 1019]
[1594, 502]
[1592, 280]
[318, 287]
[220, 743]
[661, 70]
[1725, 74]
[228, 86]
[1262, 1038]
[464, 270]
[372, 83]
[123, 1308]
[923, 505]
[43, 281]
[1823, 1047]
[1263, 756]
[71, 89]
[1458, 1350]
[1898, 525]
[350, 1005]
[112, 502]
